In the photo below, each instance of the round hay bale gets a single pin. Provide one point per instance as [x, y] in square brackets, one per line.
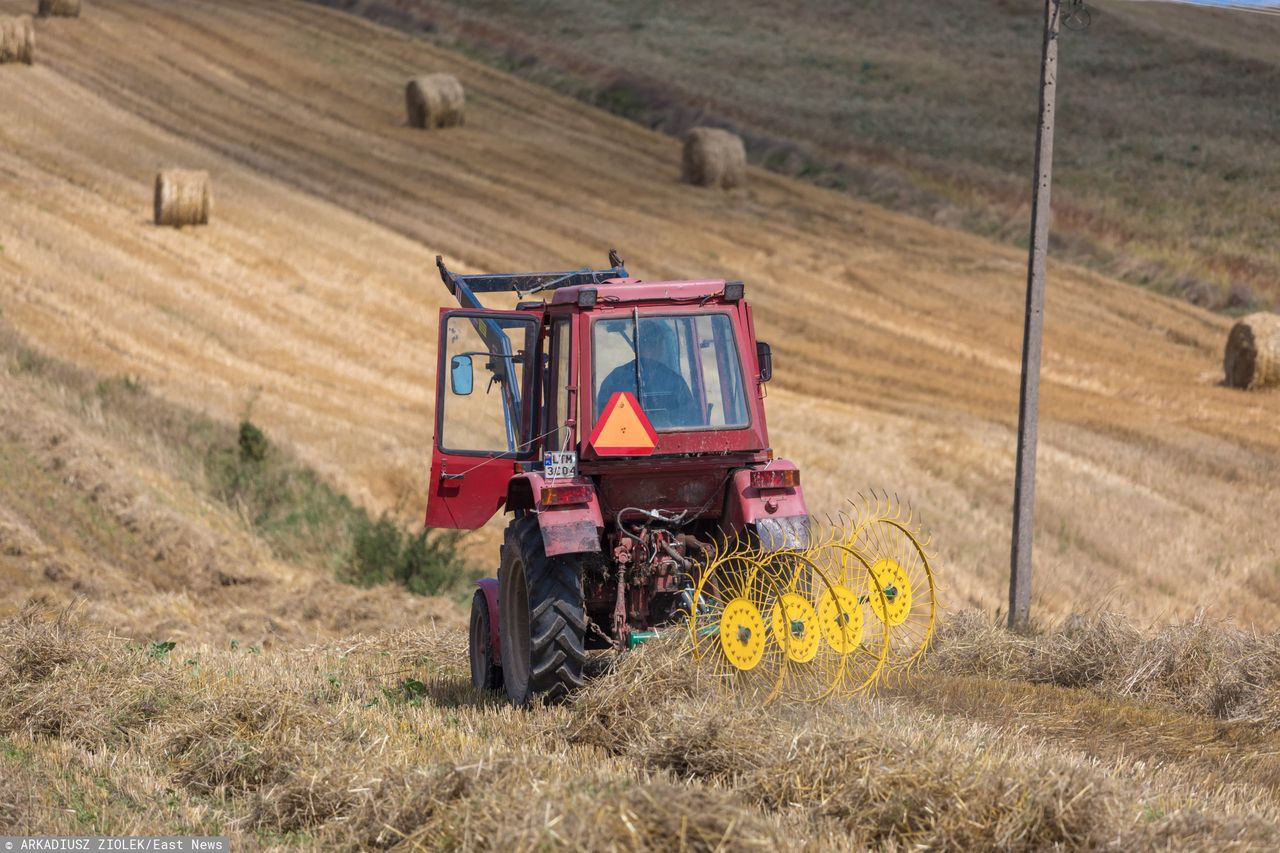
[435, 100]
[17, 39]
[59, 9]
[183, 197]
[1252, 358]
[714, 158]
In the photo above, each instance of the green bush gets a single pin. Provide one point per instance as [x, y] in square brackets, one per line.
[424, 563]
[303, 518]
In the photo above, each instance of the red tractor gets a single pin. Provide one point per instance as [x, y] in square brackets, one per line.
[621, 425]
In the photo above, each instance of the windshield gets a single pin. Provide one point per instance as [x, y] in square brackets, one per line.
[688, 372]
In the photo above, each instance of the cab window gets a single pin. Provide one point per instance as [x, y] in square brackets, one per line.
[687, 376]
[481, 391]
[558, 386]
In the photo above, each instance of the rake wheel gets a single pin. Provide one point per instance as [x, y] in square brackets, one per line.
[887, 561]
[728, 623]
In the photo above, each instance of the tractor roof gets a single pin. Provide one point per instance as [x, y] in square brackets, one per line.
[575, 287]
[636, 290]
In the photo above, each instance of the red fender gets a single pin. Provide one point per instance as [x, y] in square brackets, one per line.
[567, 529]
[779, 516]
[489, 586]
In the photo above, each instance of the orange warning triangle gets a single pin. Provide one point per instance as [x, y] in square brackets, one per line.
[622, 428]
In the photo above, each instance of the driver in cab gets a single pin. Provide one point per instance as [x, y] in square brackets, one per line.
[664, 395]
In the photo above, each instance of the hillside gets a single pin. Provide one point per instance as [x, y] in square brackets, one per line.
[109, 505]
[311, 298]
[167, 672]
[296, 711]
[1165, 165]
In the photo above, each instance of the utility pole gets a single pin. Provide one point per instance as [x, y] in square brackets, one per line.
[1024, 491]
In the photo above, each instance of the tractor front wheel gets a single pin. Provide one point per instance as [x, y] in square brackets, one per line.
[486, 674]
[541, 618]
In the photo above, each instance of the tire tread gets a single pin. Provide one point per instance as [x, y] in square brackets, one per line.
[557, 617]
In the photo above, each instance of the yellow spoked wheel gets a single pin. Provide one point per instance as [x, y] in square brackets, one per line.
[821, 658]
[795, 627]
[858, 642]
[741, 632]
[810, 669]
[888, 576]
[840, 619]
[728, 624]
[831, 619]
[887, 562]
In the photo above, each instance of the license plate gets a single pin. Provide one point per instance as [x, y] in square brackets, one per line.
[559, 465]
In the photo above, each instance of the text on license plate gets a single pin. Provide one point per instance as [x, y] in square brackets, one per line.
[560, 464]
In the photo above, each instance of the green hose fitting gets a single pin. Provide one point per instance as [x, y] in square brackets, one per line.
[635, 638]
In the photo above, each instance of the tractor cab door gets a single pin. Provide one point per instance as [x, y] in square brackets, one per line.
[485, 406]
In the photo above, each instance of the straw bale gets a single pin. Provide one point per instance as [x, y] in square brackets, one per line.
[714, 158]
[435, 100]
[59, 9]
[17, 39]
[1252, 358]
[183, 197]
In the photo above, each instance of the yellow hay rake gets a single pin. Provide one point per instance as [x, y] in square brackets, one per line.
[855, 607]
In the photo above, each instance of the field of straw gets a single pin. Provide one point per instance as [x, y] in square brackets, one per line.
[380, 742]
[177, 658]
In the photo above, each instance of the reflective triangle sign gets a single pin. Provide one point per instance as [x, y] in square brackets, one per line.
[622, 428]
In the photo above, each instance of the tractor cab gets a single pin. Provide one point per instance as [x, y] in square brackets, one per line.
[621, 423]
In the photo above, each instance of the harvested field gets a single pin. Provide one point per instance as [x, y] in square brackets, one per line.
[312, 296]
[1167, 183]
[377, 741]
[165, 664]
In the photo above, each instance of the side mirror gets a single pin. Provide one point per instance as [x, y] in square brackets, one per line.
[460, 378]
[764, 357]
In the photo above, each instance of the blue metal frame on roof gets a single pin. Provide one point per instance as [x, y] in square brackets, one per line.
[465, 287]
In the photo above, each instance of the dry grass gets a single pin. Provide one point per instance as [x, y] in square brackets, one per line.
[108, 498]
[376, 742]
[1204, 666]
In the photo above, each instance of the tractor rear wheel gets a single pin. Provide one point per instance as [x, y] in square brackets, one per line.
[486, 673]
[541, 619]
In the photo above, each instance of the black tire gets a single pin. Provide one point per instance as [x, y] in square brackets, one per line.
[541, 619]
[486, 673]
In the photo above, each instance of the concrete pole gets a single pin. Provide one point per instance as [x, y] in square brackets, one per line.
[1024, 492]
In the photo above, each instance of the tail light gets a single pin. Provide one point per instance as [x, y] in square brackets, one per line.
[566, 495]
[782, 478]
